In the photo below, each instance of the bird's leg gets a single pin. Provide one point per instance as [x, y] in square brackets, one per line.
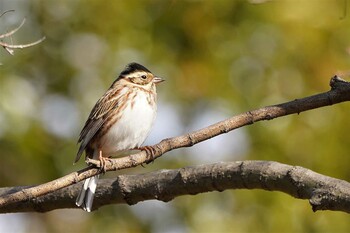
[103, 164]
[150, 151]
[103, 161]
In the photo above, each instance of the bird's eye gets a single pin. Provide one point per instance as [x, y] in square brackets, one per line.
[143, 76]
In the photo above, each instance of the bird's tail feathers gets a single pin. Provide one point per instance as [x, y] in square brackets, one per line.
[86, 195]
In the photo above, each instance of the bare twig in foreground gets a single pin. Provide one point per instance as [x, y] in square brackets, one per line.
[340, 92]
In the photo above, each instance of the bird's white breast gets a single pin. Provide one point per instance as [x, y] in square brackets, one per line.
[132, 128]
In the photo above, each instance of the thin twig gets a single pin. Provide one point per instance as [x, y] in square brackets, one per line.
[8, 11]
[10, 33]
[10, 47]
[21, 46]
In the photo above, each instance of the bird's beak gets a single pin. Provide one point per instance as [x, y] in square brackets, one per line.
[157, 80]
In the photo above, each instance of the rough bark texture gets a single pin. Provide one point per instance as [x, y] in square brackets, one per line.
[323, 192]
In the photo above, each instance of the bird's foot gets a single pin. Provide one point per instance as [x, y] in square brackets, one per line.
[150, 152]
[103, 162]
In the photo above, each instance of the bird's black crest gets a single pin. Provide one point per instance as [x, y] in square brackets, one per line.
[132, 67]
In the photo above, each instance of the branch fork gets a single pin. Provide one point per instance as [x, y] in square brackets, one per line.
[10, 47]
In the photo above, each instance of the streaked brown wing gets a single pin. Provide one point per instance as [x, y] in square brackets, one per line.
[109, 101]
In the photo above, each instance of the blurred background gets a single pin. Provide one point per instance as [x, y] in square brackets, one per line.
[219, 58]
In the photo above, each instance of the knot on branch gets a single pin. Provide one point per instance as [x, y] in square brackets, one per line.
[321, 201]
[339, 84]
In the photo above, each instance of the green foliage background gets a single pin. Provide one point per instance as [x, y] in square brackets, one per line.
[222, 57]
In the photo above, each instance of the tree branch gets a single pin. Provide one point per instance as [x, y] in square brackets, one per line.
[10, 33]
[21, 46]
[340, 92]
[9, 47]
[323, 192]
[5, 12]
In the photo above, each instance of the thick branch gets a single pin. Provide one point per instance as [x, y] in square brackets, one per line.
[323, 192]
[340, 92]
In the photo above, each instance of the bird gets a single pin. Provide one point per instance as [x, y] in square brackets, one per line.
[119, 122]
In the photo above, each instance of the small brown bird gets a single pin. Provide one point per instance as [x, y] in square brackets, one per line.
[120, 121]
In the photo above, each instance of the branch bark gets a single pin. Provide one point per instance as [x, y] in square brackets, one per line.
[323, 192]
[340, 92]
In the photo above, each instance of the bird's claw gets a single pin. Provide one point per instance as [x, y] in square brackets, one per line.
[150, 152]
[103, 163]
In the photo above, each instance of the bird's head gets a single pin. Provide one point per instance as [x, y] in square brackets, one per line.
[139, 75]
